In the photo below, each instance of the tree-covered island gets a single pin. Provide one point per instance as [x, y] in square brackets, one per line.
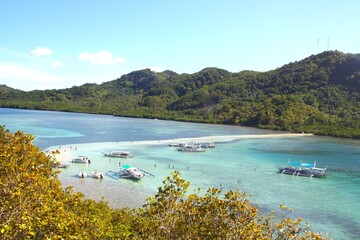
[319, 94]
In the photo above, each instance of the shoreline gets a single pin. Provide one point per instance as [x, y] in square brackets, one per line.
[173, 120]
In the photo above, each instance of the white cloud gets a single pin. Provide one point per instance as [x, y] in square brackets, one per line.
[156, 69]
[57, 64]
[41, 51]
[102, 57]
[26, 78]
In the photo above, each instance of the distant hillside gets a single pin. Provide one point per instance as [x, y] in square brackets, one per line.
[319, 94]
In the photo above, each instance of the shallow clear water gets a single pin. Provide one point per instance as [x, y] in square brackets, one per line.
[330, 204]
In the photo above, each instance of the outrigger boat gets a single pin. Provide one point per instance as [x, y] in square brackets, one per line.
[191, 148]
[81, 159]
[118, 154]
[303, 169]
[201, 144]
[127, 171]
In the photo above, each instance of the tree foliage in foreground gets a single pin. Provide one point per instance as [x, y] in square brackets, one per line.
[32, 203]
[34, 206]
[172, 214]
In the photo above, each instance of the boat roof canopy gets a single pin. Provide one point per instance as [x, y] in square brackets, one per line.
[125, 166]
[120, 151]
[301, 164]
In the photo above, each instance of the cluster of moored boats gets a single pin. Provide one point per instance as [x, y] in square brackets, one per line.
[126, 170]
[192, 146]
[303, 169]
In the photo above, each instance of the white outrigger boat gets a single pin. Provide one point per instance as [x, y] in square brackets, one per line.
[97, 174]
[127, 171]
[82, 174]
[81, 159]
[201, 144]
[191, 148]
[118, 154]
[303, 169]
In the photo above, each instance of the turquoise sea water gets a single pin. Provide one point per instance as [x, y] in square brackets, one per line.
[330, 204]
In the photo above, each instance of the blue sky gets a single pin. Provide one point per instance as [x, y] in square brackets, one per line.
[59, 44]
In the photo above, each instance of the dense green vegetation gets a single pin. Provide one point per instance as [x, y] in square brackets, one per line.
[319, 94]
[34, 206]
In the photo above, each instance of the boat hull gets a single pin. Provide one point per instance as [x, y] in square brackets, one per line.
[81, 159]
[97, 175]
[302, 172]
[118, 155]
[82, 174]
[191, 149]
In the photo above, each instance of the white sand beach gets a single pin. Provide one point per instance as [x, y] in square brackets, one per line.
[230, 138]
[64, 155]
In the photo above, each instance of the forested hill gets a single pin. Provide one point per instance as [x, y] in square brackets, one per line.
[319, 94]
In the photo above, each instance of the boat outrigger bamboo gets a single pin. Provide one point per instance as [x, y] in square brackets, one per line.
[303, 169]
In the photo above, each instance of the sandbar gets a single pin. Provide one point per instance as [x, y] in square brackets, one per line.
[67, 152]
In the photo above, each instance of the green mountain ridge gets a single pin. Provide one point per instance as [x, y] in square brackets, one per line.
[319, 94]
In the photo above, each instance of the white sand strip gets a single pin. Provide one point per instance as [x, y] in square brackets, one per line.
[68, 152]
[229, 138]
[65, 154]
